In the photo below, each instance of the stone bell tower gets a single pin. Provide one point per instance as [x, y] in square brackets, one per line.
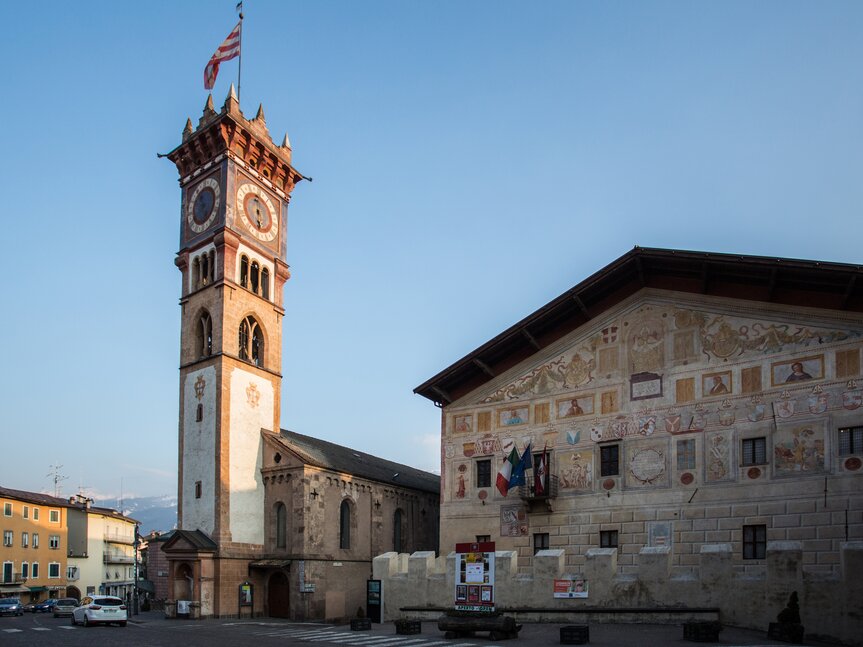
[236, 185]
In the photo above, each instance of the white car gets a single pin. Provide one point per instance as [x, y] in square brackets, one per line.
[100, 609]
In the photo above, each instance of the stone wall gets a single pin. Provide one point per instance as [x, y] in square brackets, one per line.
[829, 603]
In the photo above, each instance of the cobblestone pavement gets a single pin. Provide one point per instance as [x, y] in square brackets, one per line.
[152, 629]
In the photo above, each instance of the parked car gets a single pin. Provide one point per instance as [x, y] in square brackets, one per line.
[11, 607]
[28, 608]
[65, 607]
[101, 609]
[44, 606]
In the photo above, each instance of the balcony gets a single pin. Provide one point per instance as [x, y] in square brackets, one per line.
[528, 494]
[13, 578]
[116, 558]
[118, 538]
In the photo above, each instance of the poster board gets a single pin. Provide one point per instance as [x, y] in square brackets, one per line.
[474, 576]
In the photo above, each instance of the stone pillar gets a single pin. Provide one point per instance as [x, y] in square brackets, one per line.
[548, 565]
[715, 565]
[600, 569]
[784, 562]
[384, 566]
[505, 571]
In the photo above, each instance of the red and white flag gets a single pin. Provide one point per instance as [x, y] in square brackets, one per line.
[225, 52]
[541, 471]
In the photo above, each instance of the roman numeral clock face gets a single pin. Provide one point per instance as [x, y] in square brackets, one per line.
[257, 212]
[202, 205]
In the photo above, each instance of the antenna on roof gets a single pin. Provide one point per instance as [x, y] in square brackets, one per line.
[55, 476]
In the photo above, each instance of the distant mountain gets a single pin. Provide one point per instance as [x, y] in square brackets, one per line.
[154, 512]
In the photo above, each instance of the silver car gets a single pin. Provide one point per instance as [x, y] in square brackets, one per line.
[100, 610]
[64, 607]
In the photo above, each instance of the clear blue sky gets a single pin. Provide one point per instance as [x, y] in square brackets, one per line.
[471, 161]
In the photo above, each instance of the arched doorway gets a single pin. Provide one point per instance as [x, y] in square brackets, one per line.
[73, 592]
[278, 596]
[183, 583]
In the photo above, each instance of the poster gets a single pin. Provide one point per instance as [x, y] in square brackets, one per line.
[474, 585]
[575, 588]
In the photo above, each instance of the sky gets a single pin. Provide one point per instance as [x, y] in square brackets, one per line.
[472, 160]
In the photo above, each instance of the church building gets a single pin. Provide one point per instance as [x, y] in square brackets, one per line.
[671, 400]
[270, 522]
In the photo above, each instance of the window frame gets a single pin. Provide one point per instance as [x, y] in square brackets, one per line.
[483, 473]
[609, 538]
[7, 509]
[53, 516]
[34, 571]
[749, 451]
[35, 540]
[687, 454]
[8, 538]
[51, 566]
[540, 542]
[606, 462]
[345, 517]
[480, 539]
[25, 539]
[853, 447]
[754, 541]
[54, 542]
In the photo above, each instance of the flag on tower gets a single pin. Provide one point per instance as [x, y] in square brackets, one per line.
[225, 52]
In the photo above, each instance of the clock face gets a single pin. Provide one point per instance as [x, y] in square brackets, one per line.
[202, 205]
[258, 212]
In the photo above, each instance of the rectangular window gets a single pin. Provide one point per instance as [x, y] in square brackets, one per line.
[686, 454]
[26, 512]
[35, 540]
[754, 451]
[7, 509]
[72, 573]
[481, 539]
[53, 571]
[35, 514]
[8, 537]
[7, 572]
[608, 539]
[540, 542]
[54, 516]
[25, 539]
[54, 541]
[851, 441]
[198, 489]
[35, 569]
[754, 542]
[608, 460]
[25, 570]
[483, 473]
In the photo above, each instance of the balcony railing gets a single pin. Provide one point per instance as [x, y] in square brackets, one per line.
[115, 558]
[117, 538]
[527, 492]
[16, 578]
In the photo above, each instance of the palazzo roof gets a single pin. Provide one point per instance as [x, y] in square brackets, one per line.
[784, 281]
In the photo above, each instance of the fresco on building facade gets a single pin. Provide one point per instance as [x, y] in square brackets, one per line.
[798, 450]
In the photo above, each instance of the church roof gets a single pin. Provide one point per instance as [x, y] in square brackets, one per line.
[321, 453]
[814, 284]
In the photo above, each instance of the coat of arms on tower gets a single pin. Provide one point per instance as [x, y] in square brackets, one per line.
[200, 384]
[253, 395]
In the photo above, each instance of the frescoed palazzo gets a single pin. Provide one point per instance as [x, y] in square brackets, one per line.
[710, 396]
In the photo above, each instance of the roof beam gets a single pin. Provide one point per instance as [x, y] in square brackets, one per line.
[849, 291]
[530, 338]
[772, 285]
[705, 278]
[446, 399]
[581, 305]
[485, 367]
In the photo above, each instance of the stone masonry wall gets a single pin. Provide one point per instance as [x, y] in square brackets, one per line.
[829, 603]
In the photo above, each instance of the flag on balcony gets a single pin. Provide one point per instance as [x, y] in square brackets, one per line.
[540, 473]
[517, 477]
[505, 472]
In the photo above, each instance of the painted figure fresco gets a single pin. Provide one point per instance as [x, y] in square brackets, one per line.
[576, 470]
[797, 370]
[799, 450]
[713, 384]
[718, 458]
[572, 407]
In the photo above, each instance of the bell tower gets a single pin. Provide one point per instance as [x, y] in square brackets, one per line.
[236, 185]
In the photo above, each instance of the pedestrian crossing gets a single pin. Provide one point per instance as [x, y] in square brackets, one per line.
[345, 637]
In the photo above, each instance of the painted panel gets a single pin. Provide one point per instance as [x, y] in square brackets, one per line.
[798, 449]
[199, 450]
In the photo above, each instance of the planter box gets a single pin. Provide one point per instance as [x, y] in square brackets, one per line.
[788, 632]
[361, 624]
[408, 627]
[705, 631]
[575, 635]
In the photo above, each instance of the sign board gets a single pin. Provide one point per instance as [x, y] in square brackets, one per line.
[245, 594]
[576, 588]
[374, 600]
[474, 579]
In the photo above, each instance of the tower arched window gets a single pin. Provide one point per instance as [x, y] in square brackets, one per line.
[212, 265]
[251, 341]
[254, 280]
[244, 271]
[204, 335]
[281, 526]
[205, 269]
[397, 530]
[265, 283]
[345, 525]
[196, 273]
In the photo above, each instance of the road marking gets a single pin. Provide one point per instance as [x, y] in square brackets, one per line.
[41, 629]
[13, 631]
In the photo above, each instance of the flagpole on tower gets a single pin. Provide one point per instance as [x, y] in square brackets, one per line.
[240, 62]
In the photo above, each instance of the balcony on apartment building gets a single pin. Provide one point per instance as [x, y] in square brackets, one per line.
[114, 537]
[117, 558]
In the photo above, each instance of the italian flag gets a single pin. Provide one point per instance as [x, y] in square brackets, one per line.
[506, 471]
